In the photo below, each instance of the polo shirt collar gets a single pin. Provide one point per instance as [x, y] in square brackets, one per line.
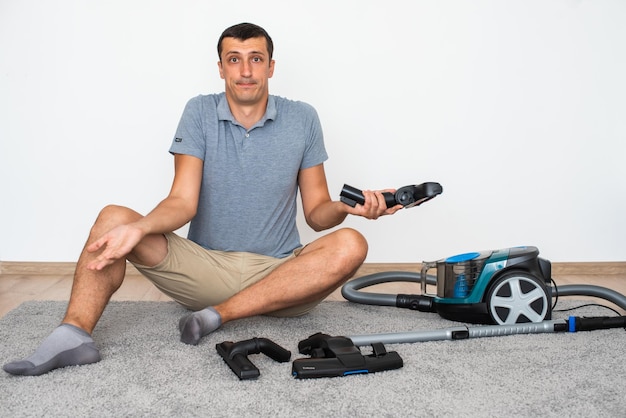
[224, 113]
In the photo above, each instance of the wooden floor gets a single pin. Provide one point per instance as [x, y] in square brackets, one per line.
[20, 282]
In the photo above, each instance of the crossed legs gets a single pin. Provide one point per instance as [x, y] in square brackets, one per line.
[320, 268]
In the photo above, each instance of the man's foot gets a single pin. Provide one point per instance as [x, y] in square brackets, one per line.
[198, 324]
[66, 346]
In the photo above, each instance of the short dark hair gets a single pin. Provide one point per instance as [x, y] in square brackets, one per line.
[245, 31]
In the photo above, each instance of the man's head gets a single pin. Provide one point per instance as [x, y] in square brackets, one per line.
[243, 31]
[246, 64]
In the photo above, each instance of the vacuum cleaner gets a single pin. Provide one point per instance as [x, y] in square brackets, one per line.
[508, 290]
[506, 286]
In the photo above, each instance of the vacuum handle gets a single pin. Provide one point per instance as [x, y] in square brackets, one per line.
[598, 322]
[351, 196]
[427, 265]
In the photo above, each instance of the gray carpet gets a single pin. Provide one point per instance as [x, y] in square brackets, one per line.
[146, 371]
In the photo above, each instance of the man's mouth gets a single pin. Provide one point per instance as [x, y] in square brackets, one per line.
[246, 83]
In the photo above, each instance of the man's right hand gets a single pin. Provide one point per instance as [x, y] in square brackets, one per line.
[115, 244]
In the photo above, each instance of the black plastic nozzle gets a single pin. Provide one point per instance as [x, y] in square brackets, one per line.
[338, 356]
[407, 196]
[236, 355]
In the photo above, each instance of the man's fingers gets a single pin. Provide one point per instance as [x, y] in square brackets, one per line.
[381, 199]
[393, 209]
[100, 262]
[105, 258]
[96, 245]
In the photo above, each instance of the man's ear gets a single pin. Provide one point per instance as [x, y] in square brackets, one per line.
[271, 73]
[219, 66]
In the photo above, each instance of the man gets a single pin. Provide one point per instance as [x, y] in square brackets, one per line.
[240, 157]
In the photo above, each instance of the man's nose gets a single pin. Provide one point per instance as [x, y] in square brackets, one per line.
[246, 69]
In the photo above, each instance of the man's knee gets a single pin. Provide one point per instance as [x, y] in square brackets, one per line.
[351, 245]
[114, 215]
[122, 213]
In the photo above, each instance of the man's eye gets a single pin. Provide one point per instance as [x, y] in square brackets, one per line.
[234, 59]
[257, 59]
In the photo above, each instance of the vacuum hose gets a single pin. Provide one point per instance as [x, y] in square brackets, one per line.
[350, 291]
[591, 290]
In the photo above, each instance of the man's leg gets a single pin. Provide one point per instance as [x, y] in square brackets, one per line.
[317, 271]
[71, 343]
[91, 290]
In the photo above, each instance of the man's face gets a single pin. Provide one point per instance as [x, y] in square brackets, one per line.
[246, 68]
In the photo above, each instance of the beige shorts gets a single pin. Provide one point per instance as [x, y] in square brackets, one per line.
[196, 277]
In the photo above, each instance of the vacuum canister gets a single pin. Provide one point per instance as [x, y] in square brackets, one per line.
[456, 275]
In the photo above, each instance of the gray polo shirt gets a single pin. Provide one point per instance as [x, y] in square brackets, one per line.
[249, 184]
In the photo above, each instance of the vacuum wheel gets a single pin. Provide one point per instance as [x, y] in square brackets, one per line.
[517, 297]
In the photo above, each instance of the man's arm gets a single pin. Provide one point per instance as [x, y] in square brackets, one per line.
[321, 212]
[178, 208]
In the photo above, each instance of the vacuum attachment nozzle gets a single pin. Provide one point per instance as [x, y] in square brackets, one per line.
[407, 196]
[338, 356]
[236, 355]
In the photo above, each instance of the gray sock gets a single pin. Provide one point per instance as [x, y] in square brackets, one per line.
[195, 326]
[66, 346]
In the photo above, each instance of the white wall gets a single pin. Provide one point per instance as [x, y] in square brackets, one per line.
[516, 107]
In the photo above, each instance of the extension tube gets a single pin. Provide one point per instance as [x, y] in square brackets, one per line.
[461, 333]
[573, 324]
